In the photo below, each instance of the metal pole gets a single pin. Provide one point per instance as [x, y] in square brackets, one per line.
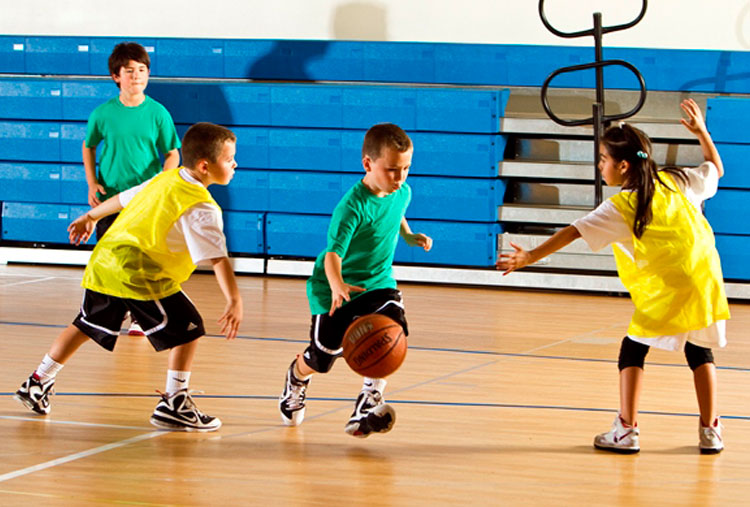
[598, 110]
[598, 106]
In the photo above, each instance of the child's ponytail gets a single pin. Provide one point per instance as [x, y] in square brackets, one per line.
[624, 142]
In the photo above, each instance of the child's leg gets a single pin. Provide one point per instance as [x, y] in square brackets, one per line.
[35, 391]
[631, 380]
[624, 435]
[701, 361]
[67, 343]
[704, 378]
[630, 363]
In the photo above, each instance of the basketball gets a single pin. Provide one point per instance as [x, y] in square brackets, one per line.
[374, 346]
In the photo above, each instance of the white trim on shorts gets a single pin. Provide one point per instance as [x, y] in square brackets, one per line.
[100, 328]
[163, 323]
[320, 345]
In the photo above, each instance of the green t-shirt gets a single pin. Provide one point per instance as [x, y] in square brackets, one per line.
[133, 139]
[364, 232]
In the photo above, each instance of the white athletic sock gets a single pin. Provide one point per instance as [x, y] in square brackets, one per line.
[48, 369]
[298, 374]
[177, 380]
[374, 384]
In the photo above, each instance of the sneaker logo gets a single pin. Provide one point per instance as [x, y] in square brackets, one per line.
[190, 417]
[182, 381]
[192, 326]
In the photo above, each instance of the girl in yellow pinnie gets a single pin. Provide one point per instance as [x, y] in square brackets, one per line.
[666, 258]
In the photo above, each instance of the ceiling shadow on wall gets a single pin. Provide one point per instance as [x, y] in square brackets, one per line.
[360, 21]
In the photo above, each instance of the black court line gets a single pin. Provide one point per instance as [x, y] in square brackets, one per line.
[426, 349]
[431, 403]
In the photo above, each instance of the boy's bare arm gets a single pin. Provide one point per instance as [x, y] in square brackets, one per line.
[89, 165]
[172, 159]
[232, 316]
[339, 288]
[412, 239]
[79, 231]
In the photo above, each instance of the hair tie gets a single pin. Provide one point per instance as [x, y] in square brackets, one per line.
[621, 124]
[642, 154]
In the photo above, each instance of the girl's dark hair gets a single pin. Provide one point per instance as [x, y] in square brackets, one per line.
[625, 142]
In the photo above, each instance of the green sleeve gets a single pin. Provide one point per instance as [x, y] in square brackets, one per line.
[344, 222]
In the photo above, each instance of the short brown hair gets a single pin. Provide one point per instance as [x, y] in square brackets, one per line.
[123, 53]
[204, 140]
[384, 135]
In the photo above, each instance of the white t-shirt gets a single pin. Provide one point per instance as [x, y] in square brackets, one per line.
[199, 230]
[605, 225]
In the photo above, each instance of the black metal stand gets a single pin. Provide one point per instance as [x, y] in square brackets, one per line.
[599, 120]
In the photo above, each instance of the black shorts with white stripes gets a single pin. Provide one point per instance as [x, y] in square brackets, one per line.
[327, 332]
[167, 322]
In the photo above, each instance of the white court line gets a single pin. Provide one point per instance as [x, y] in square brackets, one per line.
[29, 281]
[72, 423]
[79, 455]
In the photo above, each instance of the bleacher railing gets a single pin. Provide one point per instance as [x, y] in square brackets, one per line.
[599, 120]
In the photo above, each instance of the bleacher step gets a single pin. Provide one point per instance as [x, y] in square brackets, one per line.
[577, 255]
[555, 194]
[529, 213]
[571, 150]
[654, 129]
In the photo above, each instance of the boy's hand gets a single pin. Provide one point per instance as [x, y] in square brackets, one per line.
[694, 122]
[79, 231]
[419, 239]
[513, 261]
[93, 189]
[339, 293]
[231, 318]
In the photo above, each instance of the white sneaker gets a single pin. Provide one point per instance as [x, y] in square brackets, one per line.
[620, 438]
[371, 415]
[710, 437]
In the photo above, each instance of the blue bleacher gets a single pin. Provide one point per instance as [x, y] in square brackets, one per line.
[729, 210]
[299, 144]
[387, 62]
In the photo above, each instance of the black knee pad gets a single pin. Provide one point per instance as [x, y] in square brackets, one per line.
[632, 353]
[320, 361]
[697, 356]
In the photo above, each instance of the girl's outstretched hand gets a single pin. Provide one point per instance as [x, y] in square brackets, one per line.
[513, 261]
[694, 121]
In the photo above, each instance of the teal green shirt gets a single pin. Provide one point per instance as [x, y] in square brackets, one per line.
[364, 232]
[133, 138]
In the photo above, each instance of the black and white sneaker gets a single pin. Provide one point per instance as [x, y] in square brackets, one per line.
[35, 394]
[292, 400]
[178, 412]
[371, 415]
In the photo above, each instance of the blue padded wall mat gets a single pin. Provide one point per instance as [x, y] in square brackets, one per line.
[708, 71]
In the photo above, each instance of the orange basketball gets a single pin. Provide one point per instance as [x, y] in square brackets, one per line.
[374, 346]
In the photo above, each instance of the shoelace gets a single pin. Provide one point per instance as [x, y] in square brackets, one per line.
[298, 394]
[189, 403]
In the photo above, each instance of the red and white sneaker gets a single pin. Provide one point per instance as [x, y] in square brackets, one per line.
[710, 437]
[135, 330]
[621, 438]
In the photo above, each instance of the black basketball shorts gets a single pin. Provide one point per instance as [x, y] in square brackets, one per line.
[167, 322]
[327, 332]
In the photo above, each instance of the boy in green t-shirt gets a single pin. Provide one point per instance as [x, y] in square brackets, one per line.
[354, 276]
[134, 130]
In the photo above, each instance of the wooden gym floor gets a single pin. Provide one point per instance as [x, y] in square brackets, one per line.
[498, 402]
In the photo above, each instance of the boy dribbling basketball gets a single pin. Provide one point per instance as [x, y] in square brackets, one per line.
[353, 276]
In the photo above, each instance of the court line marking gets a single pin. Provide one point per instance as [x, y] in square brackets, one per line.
[41, 419]
[79, 455]
[529, 354]
[25, 282]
